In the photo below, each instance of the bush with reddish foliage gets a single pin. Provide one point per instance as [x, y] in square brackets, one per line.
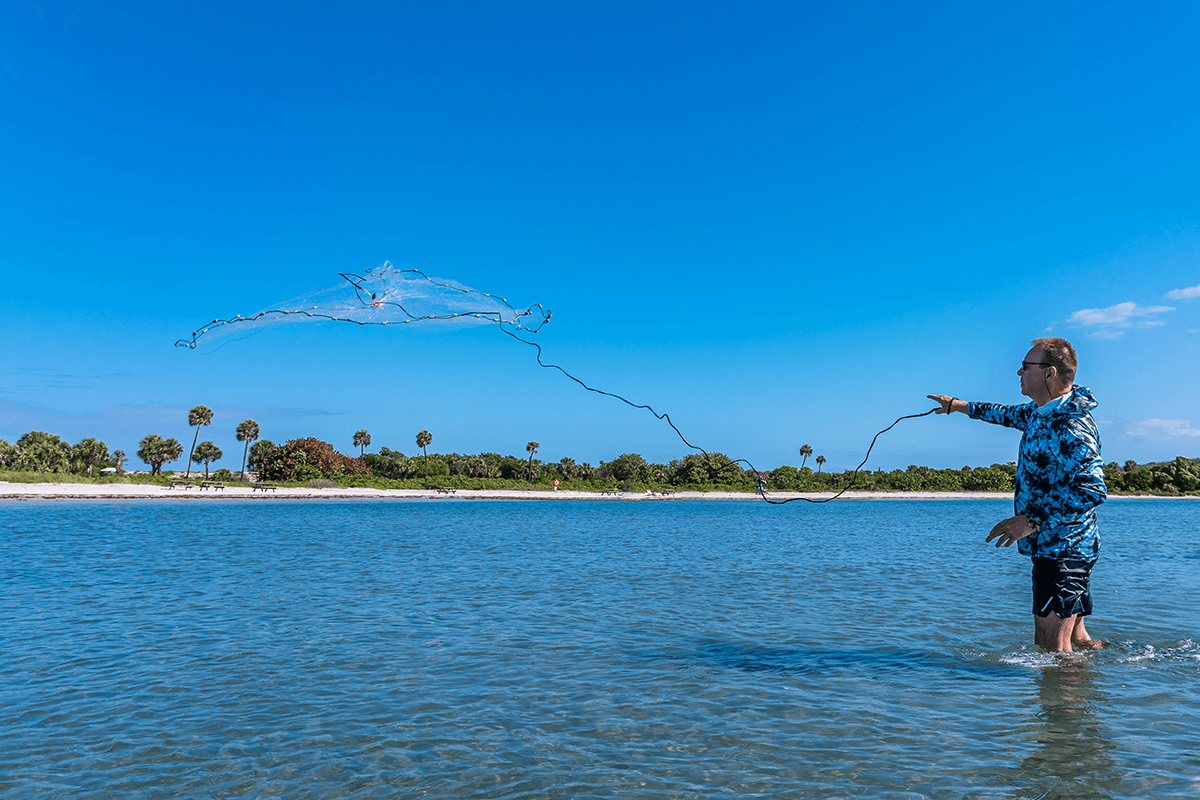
[308, 459]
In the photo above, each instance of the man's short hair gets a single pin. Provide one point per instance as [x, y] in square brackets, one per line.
[1059, 353]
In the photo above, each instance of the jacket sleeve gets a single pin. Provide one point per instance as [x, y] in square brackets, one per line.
[1079, 481]
[1009, 416]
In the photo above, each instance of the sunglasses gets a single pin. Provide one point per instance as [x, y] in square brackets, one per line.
[1028, 364]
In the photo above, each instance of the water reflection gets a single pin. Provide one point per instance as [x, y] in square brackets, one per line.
[1073, 759]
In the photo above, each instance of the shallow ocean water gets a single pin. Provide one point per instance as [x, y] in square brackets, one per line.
[680, 649]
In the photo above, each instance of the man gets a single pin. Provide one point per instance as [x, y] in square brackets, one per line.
[1060, 481]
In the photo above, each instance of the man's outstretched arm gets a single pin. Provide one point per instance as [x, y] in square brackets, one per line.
[995, 413]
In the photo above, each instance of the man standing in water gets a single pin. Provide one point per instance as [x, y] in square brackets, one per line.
[1060, 481]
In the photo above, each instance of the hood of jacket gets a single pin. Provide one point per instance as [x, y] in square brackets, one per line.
[1079, 403]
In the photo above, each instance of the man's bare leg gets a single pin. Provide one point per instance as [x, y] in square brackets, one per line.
[1081, 639]
[1053, 633]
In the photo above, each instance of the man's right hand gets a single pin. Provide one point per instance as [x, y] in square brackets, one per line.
[948, 404]
[1013, 529]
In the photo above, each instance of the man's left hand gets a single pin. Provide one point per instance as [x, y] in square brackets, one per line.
[1011, 530]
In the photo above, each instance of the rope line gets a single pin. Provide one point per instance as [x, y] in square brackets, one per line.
[667, 418]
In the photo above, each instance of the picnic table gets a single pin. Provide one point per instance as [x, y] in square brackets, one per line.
[184, 482]
[212, 485]
[263, 487]
[446, 490]
[609, 491]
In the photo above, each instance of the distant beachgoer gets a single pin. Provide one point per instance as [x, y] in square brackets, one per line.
[1059, 483]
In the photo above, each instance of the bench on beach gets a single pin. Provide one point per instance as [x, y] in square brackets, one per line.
[446, 490]
[609, 491]
[212, 485]
[263, 487]
[185, 483]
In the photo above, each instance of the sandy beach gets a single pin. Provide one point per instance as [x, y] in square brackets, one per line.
[91, 491]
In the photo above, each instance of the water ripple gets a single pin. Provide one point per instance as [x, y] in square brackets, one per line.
[546, 650]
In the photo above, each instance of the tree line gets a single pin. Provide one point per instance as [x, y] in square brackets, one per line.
[38, 451]
[308, 459]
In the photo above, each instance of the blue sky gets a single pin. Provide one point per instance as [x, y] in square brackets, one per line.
[781, 223]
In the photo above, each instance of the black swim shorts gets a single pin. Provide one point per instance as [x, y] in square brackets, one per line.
[1062, 586]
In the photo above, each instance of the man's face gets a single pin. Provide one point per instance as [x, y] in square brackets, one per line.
[1033, 378]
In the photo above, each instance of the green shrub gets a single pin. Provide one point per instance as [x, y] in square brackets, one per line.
[308, 459]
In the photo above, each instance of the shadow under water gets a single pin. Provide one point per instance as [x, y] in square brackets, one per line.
[714, 654]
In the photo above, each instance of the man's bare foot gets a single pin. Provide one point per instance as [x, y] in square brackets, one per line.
[1088, 644]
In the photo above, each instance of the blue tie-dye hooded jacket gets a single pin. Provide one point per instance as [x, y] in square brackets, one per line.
[1060, 476]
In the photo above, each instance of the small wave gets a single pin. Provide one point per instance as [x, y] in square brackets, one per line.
[1139, 652]
[1030, 659]
[1124, 652]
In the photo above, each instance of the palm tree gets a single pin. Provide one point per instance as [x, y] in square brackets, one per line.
[425, 438]
[200, 415]
[820, 461]
[206, 452]
[89, 451]
[362, 440]
[156, 451]
[247, 432]
[44, 452]
[805, 452]
[262, 451]
[118, 458]
[171, 450]
[532, 449]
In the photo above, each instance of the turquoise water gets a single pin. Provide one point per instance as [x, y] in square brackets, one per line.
[873, 649]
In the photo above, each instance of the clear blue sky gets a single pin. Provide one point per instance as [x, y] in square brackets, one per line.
[782, 223]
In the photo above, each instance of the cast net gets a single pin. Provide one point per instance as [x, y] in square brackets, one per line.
[383, 296]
